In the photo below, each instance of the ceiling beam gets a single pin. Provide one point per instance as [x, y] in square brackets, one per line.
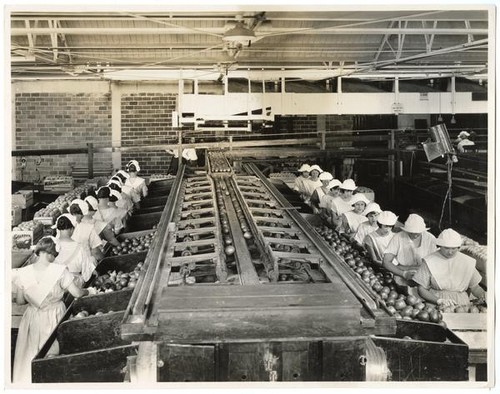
[217, 30]
[384, 41]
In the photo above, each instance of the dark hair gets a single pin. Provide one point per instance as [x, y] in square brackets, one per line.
[46, 245]
[74, 209]
[120, 176]
[104, 192]
[113, 198]
[63, 223]
[114, 186]
[380, 224]
[91, 208]
[131, 167]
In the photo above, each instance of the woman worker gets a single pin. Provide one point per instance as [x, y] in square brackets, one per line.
[407, 248]
[312, 183]
[351, 220]
[299, 181]
[377, 241]
[111, 215]
[136, 182]
[320, 192]
[326, 202]
[371, 212]
[41, 285]
[85, 232]
[73, 255]
[447, 276]
[101, 227]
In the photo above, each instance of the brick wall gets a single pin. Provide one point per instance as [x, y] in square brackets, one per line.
[61, 120]
[147, 120]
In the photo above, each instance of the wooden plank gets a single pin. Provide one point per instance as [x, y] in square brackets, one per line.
[269, 290]
[410, 360]
[90, 333]
[259, 325]
[341, 360]
[301, 361]
[177, 261]
[476, 340]
[313, 258]
[105, 365]
[322, 301]
[186, 363]
[466, 321]
[246, 269]
[257, 362]
[112, 301]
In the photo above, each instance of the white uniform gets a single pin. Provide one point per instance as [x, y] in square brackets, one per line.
[138, 184]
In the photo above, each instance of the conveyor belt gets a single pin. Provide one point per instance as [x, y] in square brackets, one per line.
[238, 230]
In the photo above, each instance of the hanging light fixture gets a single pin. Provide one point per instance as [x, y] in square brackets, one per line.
[240, 34]
[440, 118]
[453, 120]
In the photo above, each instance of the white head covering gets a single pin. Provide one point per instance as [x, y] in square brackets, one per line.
[414, 224]
[124, 173]
[114, 182]
[334, 183]
[449, 238]
[304, 167]
[316, 167]
[463, 134]
[325, 176]
[82, 204]
[360, 197]
[372, 207]
[92, 201]
[115, 178]
[71, 218]
[387, 218]
[135, 163]
[348, 184]
[116, 194]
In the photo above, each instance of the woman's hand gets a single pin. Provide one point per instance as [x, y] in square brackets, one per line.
[409, 274]
[446, 303]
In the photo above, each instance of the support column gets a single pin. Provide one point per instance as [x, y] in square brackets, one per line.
[116, 125]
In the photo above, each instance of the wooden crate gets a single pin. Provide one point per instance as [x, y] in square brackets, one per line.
[91, 348]
[24, 239]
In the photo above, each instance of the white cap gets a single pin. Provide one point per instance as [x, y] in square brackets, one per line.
[387, 218]
[449, 238]
[334, 183]
[325, 176]
[348, 184]
[124, 173]
[359, 197]
[71, 218]
[463, 134]
[371, 207]
[114, 182]
[116, 194]
[82, 204]
[92, 201]
[304, 167]
[115, 178]
[316, 167]
[414, 224]
[135, 163]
